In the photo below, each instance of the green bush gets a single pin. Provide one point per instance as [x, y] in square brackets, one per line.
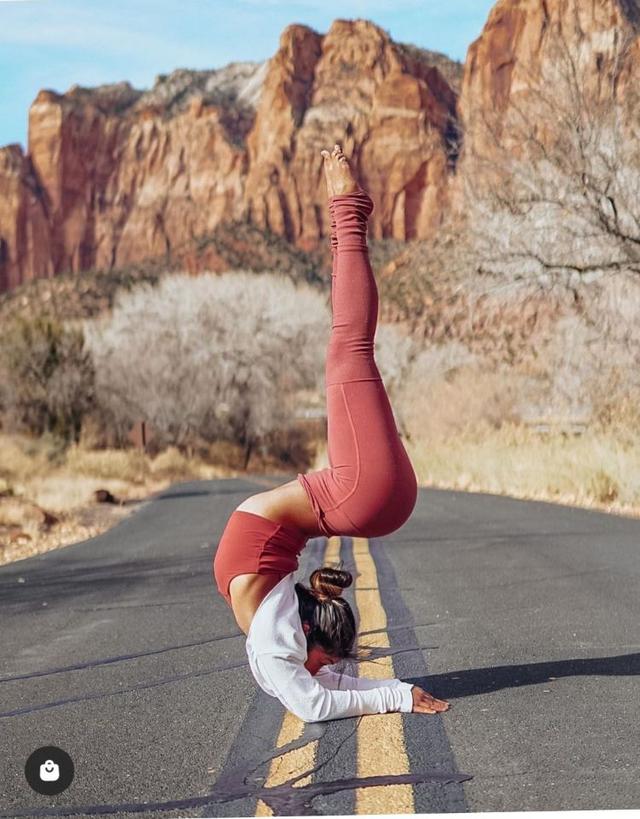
[47, 377]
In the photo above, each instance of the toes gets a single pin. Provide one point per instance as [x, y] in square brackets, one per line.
[325, 154]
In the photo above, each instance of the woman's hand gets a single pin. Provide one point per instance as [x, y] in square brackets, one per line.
[424, 703]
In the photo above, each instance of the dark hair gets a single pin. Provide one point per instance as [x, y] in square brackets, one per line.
[331, 621]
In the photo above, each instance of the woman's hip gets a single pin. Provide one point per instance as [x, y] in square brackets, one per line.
[368, 502]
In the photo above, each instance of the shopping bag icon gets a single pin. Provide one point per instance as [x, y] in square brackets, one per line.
[49, 771]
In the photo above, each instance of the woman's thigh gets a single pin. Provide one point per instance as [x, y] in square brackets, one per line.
[370, 487]
[363, 439]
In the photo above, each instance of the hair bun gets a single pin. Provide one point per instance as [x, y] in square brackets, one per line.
[330, 582]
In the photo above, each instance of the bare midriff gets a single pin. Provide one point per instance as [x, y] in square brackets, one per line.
[287, 504]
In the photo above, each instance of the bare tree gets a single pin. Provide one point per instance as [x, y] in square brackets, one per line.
[210, 357]
[550, 189]
[551, 183]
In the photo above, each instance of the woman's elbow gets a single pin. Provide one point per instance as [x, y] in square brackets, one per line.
[308, 714]
[310, 711]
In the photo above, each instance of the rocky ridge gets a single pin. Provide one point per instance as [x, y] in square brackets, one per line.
[113, 175]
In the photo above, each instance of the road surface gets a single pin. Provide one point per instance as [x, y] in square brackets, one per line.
[525, 616]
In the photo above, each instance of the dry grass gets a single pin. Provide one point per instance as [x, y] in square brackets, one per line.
[592, 470]
[172, 465]
[62, 481]
[467, 433]
[47, 495]
[130, 466]
[26, 540]
[462, 432]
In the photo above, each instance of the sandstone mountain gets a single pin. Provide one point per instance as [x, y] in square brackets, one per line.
[531, 56]
[114, 175]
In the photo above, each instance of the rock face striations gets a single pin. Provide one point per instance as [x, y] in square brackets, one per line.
[537, 65]
[114, 175]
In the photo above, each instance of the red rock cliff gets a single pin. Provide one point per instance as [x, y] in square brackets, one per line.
[531, 47]
[115, 175]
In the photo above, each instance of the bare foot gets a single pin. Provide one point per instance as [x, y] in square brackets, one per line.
[339, 176]
[328, 175]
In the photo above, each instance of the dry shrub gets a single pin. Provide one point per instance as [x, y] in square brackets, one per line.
[293, 447]
[22, 457]
[602, 487]
[101, 431]
[590, 469]
[172, 464]
[616, 402]
[225, 454]
[47, 377]
[467, 429]
[61, 491]
[121, 464]
[17, 512]
[464, 400]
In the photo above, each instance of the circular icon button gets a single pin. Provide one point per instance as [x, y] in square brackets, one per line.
[49, 770]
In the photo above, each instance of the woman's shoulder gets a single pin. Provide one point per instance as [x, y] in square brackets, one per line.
[247, 591]
[276, 625]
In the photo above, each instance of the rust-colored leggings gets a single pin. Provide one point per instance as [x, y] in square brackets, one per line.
[370, 487]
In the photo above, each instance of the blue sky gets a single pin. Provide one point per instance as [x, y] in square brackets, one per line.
[56, 43]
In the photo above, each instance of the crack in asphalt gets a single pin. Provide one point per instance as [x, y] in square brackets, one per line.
[117, 659]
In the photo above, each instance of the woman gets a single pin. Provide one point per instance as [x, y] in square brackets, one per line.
[294, 632]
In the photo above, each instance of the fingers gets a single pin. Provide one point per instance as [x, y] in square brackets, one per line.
[435, 705]
[438, 705]
[423, 709]
[425, 706]
[425, 703]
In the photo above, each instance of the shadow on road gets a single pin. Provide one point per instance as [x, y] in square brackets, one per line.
[473, 681]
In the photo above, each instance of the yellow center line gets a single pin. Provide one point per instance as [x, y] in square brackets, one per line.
[380, 737]
[293, 763]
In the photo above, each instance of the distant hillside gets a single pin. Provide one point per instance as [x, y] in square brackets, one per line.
[239, 246]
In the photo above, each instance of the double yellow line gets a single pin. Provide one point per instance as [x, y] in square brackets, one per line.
[380, 737]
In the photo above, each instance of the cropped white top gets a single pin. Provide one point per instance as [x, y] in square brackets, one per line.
[277, 650]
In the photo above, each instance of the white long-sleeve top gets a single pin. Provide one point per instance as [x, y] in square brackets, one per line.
[277, 650]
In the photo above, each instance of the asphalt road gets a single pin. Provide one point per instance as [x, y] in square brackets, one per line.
[525, 616]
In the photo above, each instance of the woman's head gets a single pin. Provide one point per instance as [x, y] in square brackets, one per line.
[326, 616]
